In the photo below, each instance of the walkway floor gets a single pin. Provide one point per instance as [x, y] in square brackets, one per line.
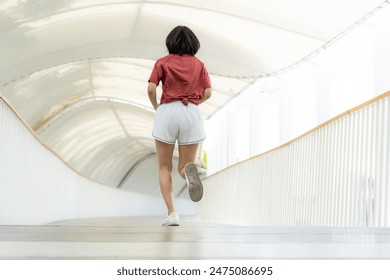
[144, 239]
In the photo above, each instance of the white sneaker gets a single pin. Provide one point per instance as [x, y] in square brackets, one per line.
[195, 187]
[171, 220]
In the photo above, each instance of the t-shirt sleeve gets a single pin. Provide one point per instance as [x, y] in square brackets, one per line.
[155, 76]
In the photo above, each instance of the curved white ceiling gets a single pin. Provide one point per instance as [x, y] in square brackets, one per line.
[77, 71]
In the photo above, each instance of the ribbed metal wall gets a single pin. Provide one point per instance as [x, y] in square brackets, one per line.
[36, 187]
[337, 175]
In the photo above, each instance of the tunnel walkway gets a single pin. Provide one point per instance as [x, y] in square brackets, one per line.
[143, 238]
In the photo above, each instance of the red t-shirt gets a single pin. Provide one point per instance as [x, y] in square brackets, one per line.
[184, 77]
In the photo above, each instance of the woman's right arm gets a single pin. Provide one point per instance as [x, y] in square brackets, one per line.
[152, 94]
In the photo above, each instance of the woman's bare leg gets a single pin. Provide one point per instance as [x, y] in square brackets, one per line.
[164, 154]
[187, 153]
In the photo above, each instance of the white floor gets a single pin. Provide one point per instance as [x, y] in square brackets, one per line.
[145, 239]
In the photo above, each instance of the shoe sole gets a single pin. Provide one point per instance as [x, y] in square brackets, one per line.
[195, 187]
[171, 225]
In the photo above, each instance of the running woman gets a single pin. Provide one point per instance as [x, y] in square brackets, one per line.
[185, 85]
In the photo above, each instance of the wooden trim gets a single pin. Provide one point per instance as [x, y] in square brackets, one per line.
[46, 146]
[373, 100]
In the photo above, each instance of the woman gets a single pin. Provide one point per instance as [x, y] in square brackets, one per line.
[185, 85]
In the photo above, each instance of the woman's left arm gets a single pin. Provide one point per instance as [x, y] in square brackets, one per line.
[206, 95]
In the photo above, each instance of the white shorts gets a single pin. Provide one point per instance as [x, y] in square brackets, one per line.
[175, 121]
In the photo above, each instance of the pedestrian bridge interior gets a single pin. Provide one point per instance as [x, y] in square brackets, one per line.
[296, 162]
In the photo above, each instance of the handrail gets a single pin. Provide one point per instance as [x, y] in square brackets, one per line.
[339, 116]
[336, 174]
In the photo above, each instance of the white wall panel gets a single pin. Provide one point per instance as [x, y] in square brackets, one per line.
[36, 187]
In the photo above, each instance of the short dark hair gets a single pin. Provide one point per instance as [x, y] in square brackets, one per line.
[181, 40]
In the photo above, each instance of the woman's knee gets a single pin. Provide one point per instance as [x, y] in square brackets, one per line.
[165, 168]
